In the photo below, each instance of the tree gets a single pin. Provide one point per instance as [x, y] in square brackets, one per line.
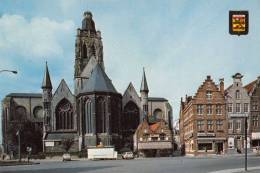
[30, 133]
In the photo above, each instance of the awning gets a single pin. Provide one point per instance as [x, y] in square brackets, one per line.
[255, 135]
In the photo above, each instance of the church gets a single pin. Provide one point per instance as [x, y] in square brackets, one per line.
[93, 114]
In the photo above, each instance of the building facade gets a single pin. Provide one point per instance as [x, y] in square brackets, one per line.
[253, 89]
[154, 135]
[22, 112]
[238, 108]
[203, 122]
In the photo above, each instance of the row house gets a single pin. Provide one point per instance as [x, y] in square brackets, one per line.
[237, 108]
[253, 90]
[203, 122]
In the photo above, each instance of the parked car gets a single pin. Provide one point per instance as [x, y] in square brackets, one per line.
[128, 155]
[66, 157]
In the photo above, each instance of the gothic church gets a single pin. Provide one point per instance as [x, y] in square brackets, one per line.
[95, 113]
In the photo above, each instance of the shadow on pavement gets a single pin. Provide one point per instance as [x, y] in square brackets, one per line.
[61, 170]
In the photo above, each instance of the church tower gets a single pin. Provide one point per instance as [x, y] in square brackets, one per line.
[144, 96]
[47, 97]
[88, 46]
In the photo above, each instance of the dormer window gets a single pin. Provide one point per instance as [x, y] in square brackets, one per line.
[209, 95]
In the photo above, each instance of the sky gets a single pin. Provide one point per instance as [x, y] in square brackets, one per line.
[179, 42]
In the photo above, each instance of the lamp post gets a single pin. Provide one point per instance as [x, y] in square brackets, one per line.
[11, 71]
[246, 143]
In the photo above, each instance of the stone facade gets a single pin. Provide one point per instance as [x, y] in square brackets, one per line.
[16, 109]
[237, 107]
[203, 122]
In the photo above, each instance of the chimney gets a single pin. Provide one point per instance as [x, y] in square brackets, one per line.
[221, 85]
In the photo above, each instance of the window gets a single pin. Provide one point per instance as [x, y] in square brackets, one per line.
[38, 112]
[230, 106]
[158, 114]
[219, 124]
[209, 109]
[101, 116]
[230, 125]
[237, 107]
[20, 114]
[238, 125]
[64, 115]
[245, 107]
[210, 125]
[255, 121]
[162, 137]
[200, 124]
[237, 94]
[205, 146]
[209, 95]
[88, 116]
[218, 109]
[199, 109]
[254, 106]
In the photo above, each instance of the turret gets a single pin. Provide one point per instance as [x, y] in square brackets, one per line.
[46, 98]
[144, 96]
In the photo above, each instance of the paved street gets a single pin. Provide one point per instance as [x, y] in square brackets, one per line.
[149, 165]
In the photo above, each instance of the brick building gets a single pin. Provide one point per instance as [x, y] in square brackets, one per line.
[253, 89]
[203, 122]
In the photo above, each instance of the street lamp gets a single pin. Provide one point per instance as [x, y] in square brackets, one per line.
[12, 71]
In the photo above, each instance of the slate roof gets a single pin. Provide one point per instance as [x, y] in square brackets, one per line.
[156, 99]
[61, 136]
[37, 95]
[98, 82]
[46, 83]
[144, 86]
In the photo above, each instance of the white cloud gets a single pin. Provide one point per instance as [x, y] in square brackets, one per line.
[32, 39]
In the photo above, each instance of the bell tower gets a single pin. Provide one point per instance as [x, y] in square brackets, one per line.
[88, 44]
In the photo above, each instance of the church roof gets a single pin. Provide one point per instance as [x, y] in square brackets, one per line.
[144, 86]
[157, 99]
[46, 83]
[25, 95]
[98, 81]
[61, 136]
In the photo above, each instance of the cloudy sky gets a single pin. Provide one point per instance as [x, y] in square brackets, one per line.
[178, 42]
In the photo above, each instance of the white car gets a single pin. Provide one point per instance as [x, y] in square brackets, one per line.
[128, 155]
[66, 157]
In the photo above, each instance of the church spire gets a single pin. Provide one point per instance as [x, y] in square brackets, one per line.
[144, 86]
[46, 83]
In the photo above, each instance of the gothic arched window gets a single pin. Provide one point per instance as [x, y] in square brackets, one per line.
[93, 50]
[88, 116]
[131, 116]
[84, 51]
[20, 114]
[64, 115]
[101, 115]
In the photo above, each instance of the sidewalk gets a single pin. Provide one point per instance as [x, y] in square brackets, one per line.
[240, 170]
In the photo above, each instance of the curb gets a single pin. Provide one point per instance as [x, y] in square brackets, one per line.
[236, 170]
